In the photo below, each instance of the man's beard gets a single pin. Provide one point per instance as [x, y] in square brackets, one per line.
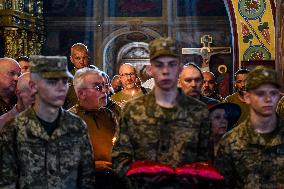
[207, 92]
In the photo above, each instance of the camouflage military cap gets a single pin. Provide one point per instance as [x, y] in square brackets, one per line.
[50, 66]
[261, 75]
[163, 46]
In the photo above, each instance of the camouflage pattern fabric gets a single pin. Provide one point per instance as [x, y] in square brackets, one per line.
[260, 75]
[172, 136]
[280, 108]
[32, 159]
[251, 160]
[164, 46]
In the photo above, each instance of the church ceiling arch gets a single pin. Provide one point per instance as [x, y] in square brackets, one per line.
[122, 38]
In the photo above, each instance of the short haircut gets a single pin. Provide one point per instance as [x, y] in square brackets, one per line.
[79, 77]
[195, 66]
[79, 47]
[241, 71]
[23, 58]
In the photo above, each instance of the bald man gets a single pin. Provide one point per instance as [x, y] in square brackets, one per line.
[79, 59]
[190, 81]
[25, 97]
[128, 78]
[9, 72]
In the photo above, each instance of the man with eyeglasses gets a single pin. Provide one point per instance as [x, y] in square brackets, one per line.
[131, 89]
[190, 81]
[92, 90]
[45, 146]
[9, 73]
[79, 58]
[163, 126]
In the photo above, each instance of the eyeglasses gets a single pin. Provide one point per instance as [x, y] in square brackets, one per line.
[128, 74]
[99, 87]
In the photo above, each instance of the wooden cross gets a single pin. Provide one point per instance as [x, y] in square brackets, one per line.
[206, 51]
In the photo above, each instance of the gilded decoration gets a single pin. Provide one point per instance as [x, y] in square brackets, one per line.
[21, 27]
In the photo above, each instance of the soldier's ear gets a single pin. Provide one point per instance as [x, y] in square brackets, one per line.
[81, 94]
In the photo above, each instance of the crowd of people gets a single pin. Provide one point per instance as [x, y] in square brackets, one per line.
[81, 129]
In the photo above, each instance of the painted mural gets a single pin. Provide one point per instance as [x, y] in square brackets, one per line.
[256, 30]
[201, 8]
[66, 8]
[135, 8]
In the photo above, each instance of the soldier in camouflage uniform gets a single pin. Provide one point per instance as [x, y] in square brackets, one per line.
[163, 126]
[9, 73]
[252, 154]
[45, 146]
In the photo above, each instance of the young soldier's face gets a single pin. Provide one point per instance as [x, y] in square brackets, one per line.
[165, 70]
[263, 100]
[219, 122]
[51, 92]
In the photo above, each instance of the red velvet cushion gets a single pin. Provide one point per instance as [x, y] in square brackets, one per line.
[148, 168]
[200, 169]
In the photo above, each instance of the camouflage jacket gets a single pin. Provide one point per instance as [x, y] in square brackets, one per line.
[29, 158]
[172, 136]
[280, 108]
[251, 160]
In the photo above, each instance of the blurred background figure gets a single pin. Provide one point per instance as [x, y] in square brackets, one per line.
[111, 105]
[116, 84]
[209, 86]
[190, 81]
[131, 90]
[79, 58]
[24, 62]
[9, 73]
[223, 118]
[25, 97]
[238, 96]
